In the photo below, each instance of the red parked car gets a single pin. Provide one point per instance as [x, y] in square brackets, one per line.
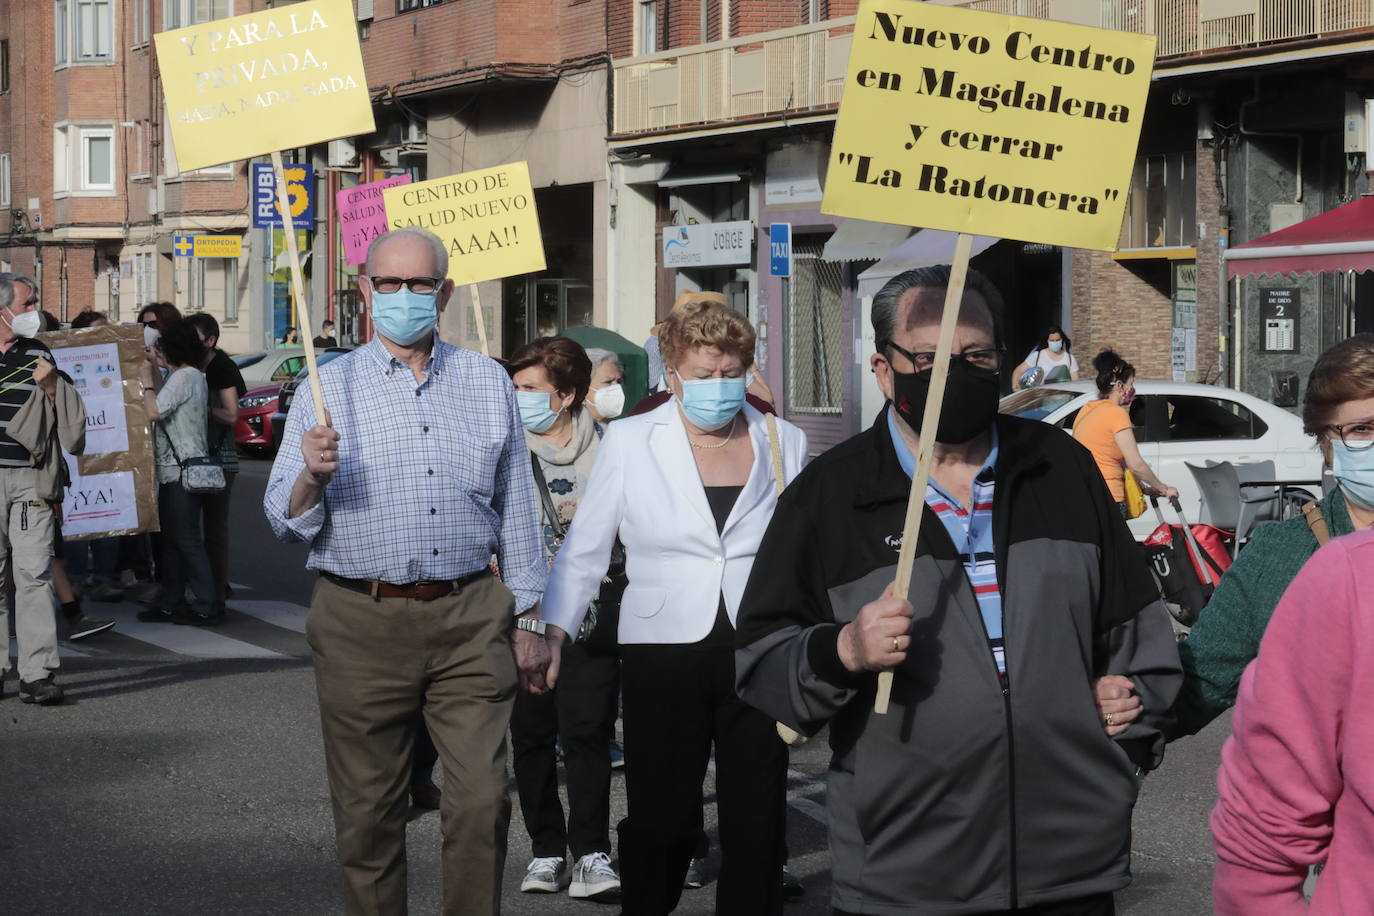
[264, 374]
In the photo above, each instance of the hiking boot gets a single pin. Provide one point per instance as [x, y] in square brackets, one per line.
[81, 626]
[44, 692]
[545, 875]
[594, 878]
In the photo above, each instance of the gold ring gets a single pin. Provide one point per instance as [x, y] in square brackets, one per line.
[896, 646]
[1107, 720]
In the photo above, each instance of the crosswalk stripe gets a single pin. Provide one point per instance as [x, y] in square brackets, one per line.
[282, 614]
[197, 642]
[811, 809]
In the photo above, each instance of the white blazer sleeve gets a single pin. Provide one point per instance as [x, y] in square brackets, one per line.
[585, 556]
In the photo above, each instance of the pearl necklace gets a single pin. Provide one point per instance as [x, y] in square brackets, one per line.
[722, 443]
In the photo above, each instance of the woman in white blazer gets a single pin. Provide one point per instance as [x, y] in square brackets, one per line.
[689, 488]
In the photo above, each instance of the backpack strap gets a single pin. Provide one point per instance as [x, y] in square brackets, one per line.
[1316, 522]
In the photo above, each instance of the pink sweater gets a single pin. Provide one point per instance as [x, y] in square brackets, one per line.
[1297, 773]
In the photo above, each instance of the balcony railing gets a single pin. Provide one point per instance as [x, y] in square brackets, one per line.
[802, 69]
[791, 70]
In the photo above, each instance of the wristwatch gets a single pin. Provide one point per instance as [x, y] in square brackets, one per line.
[530, 625]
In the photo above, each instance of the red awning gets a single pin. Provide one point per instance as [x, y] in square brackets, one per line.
[1337, 240]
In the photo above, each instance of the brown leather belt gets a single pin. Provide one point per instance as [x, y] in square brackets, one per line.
[424, 590]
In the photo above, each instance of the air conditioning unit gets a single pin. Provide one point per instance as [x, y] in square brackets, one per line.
[343, 154]
[390, 156]
[1356, 124]
[364, 10]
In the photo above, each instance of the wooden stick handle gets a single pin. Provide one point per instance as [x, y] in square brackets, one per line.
[930, 421]
[479, 318]
[298, 287]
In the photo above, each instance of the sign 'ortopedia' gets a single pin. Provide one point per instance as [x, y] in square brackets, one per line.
[264, 82]
[988, 124]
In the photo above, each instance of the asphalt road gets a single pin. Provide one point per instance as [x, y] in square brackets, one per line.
[185, 775]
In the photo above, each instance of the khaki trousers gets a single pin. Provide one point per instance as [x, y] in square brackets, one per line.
[378, 665]
[26, 542]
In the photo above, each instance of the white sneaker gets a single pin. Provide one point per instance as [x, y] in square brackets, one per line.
[593, 876]
[545, 875]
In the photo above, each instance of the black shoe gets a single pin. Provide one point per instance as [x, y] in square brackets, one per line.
[155, 615]
[44, 692]
[189, 618]
[81, 626]
[791, 887]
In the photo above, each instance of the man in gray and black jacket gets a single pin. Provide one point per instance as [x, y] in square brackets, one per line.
[1034, 664]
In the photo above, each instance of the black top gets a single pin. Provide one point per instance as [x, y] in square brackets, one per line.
[221, 373]
[325, 342]
[722, 635]
[16, 385]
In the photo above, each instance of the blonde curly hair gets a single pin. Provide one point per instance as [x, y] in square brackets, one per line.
[706, 324]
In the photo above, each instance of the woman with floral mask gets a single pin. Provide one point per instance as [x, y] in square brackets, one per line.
[1104, 428]
[552, 377]
[689, 487]
[1338, 408]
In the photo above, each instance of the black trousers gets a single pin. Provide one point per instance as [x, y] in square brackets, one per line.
[580, 713]
[1096, 905]
[678, 701]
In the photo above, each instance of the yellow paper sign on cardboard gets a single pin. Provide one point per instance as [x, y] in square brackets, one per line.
[264, 82]
[988, 124]
[486, 218]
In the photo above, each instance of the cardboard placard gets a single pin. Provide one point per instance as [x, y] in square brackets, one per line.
[114, 483]
[988, 124]
[362, 215]
[487, 218]
[264, 82]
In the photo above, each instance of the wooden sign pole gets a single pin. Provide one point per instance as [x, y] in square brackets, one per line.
[930, 421]
[479, 318]
[298, 287]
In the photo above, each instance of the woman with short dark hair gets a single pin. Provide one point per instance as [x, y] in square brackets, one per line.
[178, 405]
[552, 376]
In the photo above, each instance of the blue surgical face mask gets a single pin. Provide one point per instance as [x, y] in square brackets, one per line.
[1355, 471]
[710, 403]
[1056, 346]
[403, 317]
[535, 414]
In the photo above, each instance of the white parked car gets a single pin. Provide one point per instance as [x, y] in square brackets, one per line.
[1179, 423]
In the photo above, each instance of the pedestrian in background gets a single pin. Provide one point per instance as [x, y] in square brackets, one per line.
[89, 319]
[606, 395]
[292, 338]
[159, 316]
[1338, 409]
[988, 787]
[26, 523]
[1053, 356]
[326, 336]
[552, 376]
[179, 408]
[1104, 428]
[226, 386]
[688, 487]
[404, 488]
[1296, 773]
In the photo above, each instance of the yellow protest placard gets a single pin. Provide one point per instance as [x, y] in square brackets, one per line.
[263, 82]
[988, 124]
[486, 218]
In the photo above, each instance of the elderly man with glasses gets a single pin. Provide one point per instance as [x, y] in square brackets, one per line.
[405, 486]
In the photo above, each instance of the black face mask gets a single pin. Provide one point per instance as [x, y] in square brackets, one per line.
[970, 403]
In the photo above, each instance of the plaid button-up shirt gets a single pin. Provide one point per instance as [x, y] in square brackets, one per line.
[434, 476]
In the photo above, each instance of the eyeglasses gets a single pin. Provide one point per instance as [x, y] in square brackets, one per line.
[1356, 436]
[989, 360]
[423, 285]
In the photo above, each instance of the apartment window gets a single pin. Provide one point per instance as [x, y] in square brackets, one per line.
[4, 65]
[83, 30]
[403, 6]
[136, 149]
[83, 158]
[145, 284]
[179, 13]
[648, 26]
[143, 22]
[4, 180]
[1162, 209]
